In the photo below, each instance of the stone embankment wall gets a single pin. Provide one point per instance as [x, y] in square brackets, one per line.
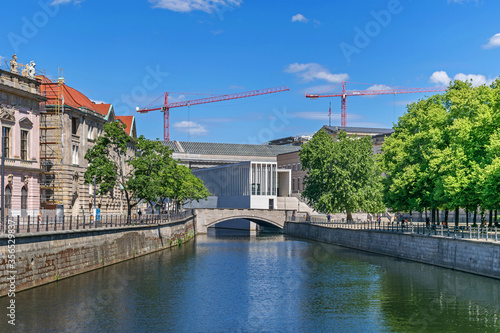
[477, 257]
[49, 256]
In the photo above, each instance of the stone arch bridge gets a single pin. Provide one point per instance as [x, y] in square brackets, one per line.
[207, 217]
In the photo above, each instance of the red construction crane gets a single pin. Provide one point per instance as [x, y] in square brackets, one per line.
[369, 92]
[166, 107]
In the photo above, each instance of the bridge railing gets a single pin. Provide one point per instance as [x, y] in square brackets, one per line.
[484, 233]
[33, 224]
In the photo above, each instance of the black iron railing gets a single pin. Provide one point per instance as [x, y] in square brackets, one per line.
[33, 224]
[485, 233]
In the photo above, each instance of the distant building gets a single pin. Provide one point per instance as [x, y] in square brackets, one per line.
[244, 185]
[199, 155]
[20, 98]
[291, 141]
[291, 160]
[357, 131]
[378, 140]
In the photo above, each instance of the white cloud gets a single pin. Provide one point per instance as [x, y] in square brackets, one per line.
[442, 78]
[216, 32]
[378, 87]
[176, 98]
[299, 18]
[63, 2]
[462, 1]
[190, 127]
[477, 79]
[184, 6]
[315, 115]
[494, 42]
[312, 71]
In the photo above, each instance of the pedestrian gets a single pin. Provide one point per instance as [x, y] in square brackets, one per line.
[427, 222]
[378, 220]
[140, 213]
[328, 217]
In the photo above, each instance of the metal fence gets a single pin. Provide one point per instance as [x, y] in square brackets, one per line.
[484, 233]
[33, 224]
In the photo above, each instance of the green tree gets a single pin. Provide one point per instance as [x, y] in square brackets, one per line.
[443, 151]
[108, 162]
[151, 161]
[158, 177]
[184, 186]
[342, 174]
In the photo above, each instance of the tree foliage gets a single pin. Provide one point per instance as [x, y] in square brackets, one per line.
[158, 177]
[342, 174]
[445, 151]
[108, 162]
[148, 173]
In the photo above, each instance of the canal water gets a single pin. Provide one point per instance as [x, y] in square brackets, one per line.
[231, 282]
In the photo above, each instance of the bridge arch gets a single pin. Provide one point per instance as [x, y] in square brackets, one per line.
[260, 221]
[206, 218]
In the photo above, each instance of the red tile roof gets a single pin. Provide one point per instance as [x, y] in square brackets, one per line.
[128, 121]
[72, 97]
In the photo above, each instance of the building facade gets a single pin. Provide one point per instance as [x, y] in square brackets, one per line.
[243, 185]
[70, 126]
[291, 161]
[20, 99]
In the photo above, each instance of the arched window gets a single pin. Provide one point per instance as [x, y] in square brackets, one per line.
[24, 198]
[8, 197]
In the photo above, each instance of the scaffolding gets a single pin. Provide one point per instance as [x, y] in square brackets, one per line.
[51, 146]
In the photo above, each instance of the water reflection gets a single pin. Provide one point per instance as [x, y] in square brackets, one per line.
[234, 282]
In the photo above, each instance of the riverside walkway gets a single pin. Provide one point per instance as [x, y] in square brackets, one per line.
[485, 233]
[35, 224]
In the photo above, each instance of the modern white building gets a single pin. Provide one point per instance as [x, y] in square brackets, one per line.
[244, 185]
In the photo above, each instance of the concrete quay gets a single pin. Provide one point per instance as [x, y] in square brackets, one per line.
[471, 256]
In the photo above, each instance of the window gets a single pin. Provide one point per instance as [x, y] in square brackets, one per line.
[24, 198]
[75, 155]
[293, 167]
[74, 125]
[24, 145]
[8, 197]
[289, 166]
[293, 184]
[298, 184]
[6, 141]
[90, 130]
[298, 166]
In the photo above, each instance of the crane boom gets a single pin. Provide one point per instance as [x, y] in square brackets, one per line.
[167, 106]
[344, 93]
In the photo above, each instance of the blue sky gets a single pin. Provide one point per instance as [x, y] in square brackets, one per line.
[129, 53]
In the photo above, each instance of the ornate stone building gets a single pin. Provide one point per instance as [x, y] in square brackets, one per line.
[69, 127]
[20, 99]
